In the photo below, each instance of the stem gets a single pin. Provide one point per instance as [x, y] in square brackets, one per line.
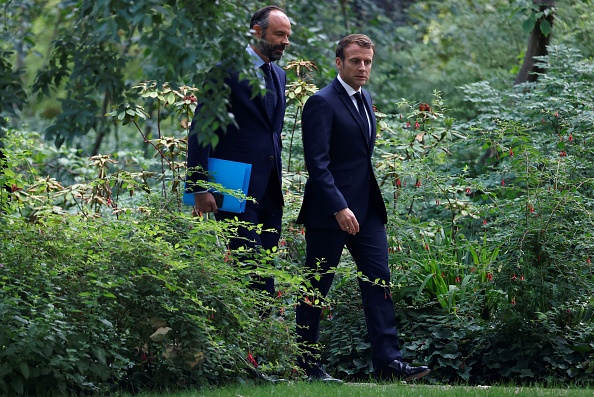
[292, 136]
[146, 140]
[163, 187]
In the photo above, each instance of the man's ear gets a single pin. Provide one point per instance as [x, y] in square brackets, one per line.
[258, 30]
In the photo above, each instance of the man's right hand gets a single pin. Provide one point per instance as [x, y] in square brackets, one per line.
[347, 221]
[205, 202]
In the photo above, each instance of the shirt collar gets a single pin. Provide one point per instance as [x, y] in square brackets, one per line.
[350, 90]
[257, 61]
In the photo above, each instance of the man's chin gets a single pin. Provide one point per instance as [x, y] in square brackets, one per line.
[275, 57]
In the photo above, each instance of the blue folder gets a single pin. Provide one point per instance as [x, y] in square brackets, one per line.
[231, 175]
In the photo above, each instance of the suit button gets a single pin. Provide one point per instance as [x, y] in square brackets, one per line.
[271, 158]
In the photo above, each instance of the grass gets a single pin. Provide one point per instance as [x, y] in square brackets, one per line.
[302, 389]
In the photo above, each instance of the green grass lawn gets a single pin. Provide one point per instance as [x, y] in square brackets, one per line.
[303, 389]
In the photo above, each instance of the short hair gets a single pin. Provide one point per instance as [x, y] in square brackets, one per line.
[260, 17]
[359, 39]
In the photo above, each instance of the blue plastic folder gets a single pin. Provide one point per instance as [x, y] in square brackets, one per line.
[231, 175]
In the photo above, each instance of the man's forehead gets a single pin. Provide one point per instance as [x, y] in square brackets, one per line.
[355, 49]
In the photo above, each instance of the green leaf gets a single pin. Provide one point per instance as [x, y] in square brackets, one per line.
[24, 369]
[529, 23]
[545, 27]
[17, 385]
[100, 355]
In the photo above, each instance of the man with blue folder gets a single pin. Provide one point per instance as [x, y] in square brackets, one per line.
[254, 139]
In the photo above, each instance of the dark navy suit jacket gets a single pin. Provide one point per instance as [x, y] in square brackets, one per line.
[338, 155]
[255, 140]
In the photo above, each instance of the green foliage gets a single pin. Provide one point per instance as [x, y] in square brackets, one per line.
[344, 331]
[12, 93]
[132, 293]
[91, 304]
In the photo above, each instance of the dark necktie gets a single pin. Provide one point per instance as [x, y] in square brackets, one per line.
[362, 113]
[270, 97]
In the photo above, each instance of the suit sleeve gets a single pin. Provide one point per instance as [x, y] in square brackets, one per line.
[197, 160]
[197, 152]
[317, 124]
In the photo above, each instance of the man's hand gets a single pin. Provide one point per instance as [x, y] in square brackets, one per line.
[347, 221]
[205, 202]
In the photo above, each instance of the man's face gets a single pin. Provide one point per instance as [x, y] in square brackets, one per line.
[275, 39]
[356, 67]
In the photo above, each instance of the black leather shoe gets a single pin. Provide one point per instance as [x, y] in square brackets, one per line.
[399, 370]
[317, 374]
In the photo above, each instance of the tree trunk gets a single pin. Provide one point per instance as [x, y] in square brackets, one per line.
[537, 44]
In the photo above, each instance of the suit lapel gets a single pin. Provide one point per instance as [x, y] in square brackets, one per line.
[280, 97]
[371, 114]
[348, 102]
[279, 109]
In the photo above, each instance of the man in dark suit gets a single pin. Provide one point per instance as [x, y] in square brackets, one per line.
[342, 205]
[255, 138]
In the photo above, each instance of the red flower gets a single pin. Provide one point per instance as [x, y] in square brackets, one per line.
[398, 183]
[252, 360]
[502, 182]
[190, 99]
[457, 279]
[514, 277]
[511, 152]
[513, 301]
[417, 125]
[588, 260]
[467, 190]
[418, 184]
[489, 276]
[485, 221]
[424, 107]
